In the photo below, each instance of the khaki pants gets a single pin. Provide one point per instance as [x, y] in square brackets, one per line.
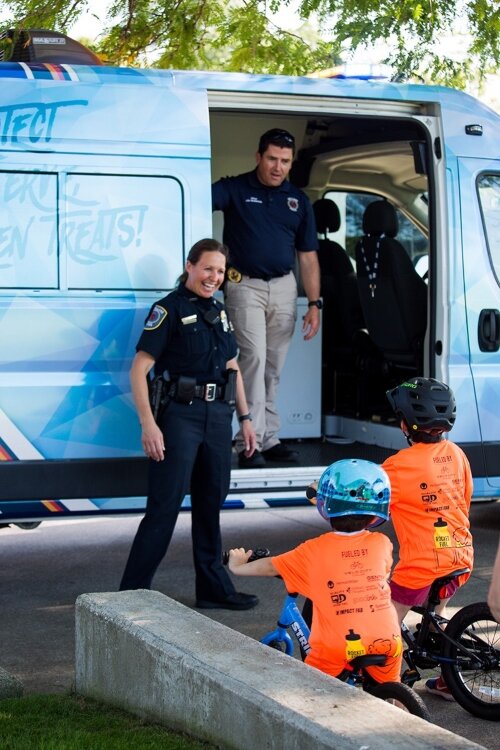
[263, 314]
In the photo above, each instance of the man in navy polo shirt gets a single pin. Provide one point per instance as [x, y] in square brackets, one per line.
[266, 222]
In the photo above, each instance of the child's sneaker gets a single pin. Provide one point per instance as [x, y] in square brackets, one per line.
[437, 686]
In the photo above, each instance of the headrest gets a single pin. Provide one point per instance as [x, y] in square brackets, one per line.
[379, 219]
[327, 215]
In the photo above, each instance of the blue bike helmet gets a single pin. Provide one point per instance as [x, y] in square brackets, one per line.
[354, 487]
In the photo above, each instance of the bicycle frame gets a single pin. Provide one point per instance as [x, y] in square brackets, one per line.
[418, 653]
[356, 674]
[290, 617]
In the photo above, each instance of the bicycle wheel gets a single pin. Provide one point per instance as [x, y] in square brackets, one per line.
[473, 677]
[402, 696]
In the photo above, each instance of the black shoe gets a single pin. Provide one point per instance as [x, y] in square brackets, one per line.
[255, 461]
[233, 601]
[281, 452]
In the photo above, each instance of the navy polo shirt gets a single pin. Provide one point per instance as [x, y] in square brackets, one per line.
[264, 226]
[181, 341]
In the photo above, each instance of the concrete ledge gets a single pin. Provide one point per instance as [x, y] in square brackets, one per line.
[154, 657]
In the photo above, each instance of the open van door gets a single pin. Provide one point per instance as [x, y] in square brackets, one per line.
[480, 212]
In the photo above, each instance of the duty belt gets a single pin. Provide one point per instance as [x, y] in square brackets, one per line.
[235, 276]
[207, 392]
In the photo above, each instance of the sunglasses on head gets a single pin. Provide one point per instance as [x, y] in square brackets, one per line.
[277, 137]
[281, 135]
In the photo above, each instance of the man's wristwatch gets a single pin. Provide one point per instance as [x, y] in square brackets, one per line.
[315, 303]
[244, 417]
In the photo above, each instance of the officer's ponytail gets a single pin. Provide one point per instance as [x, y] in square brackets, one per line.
[206, 245]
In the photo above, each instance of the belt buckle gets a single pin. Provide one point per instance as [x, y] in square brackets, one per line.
[210, 391]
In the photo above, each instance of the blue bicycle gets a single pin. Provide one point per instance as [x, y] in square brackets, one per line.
[291, 619]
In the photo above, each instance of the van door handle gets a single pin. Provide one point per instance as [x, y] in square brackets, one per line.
[488, 330]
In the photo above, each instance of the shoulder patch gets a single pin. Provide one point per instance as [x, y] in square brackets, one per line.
[156, 318]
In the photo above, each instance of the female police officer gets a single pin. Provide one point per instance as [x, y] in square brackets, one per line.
[189, 341]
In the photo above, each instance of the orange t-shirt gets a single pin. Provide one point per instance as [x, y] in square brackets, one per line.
[431, 489]
[345, 576]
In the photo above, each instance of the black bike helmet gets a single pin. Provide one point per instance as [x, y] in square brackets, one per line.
[425, 404]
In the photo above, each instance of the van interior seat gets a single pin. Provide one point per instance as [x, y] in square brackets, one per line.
[342, 314]
[393, 295]
[339, 288]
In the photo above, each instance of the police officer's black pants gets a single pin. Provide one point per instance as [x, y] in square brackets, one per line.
[197, 457]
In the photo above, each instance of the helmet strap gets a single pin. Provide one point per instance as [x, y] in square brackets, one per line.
[406, 432]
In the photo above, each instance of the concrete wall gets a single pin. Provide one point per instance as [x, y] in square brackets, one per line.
[154, 657]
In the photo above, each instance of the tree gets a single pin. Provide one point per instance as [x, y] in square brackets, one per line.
[241, 35]
[205, 34]
[415, 30]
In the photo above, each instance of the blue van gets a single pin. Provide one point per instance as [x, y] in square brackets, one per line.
[105, 178]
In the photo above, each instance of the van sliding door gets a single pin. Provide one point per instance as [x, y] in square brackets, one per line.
[480, 213]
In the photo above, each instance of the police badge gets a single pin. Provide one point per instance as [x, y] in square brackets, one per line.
[233, 275]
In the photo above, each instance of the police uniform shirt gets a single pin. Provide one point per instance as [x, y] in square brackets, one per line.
[181, 341]
[264, 226]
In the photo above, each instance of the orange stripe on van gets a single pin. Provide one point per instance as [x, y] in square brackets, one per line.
[53, 506]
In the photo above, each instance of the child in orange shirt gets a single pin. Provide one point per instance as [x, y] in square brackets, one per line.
[431, 489]
[344, 572]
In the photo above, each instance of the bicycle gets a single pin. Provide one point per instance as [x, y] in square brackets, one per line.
[396, 693]
[466, 648]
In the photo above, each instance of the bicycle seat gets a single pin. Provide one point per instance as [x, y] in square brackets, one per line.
[367, 660]
[438, 584]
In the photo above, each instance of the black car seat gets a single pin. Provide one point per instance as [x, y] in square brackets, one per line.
[342, 315]
[393, 295]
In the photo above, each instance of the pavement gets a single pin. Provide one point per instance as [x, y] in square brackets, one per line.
[43, 571]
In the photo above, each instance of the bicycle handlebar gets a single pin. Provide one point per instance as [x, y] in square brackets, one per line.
[311, 492]
[256, 555]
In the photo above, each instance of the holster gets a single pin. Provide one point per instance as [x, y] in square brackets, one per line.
[230, 387]
[156, 395]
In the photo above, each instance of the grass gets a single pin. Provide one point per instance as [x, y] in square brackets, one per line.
[71, 722]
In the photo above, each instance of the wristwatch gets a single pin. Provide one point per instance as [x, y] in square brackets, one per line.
[315, 303]
[244, 417]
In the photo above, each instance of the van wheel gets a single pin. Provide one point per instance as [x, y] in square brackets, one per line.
[28, 526]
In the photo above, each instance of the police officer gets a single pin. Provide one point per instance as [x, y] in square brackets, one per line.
[266, 221]
[188, 339]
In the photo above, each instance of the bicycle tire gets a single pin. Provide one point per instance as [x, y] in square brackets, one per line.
[476, 688]
[402, 696]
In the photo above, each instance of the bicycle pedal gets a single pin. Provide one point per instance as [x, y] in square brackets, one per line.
[410, 676]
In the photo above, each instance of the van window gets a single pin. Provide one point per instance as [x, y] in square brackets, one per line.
[28, 230]
[352, 207]
[121, 232]
[489, 199]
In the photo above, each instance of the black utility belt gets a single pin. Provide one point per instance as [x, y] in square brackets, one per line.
[270, 276]
[235, 276]
[184, 390]
[207, 392]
